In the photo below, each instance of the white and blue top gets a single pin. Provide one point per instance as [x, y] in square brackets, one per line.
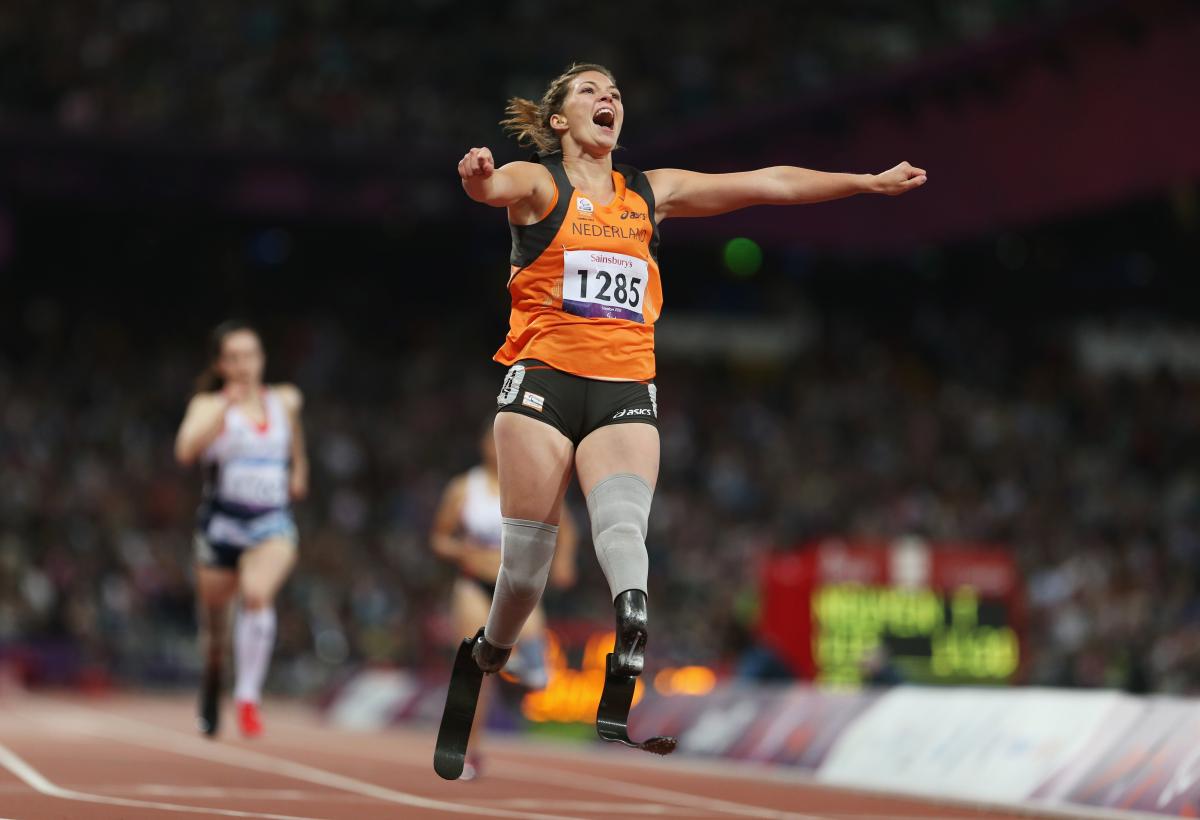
[246, 494]
[481, 509]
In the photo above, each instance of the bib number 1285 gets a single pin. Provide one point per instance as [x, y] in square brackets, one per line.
[600, 284]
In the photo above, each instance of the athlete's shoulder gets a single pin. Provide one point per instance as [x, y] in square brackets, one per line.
[528, 169]
[471, 475]
[456, 488]
[290, 395]
[639, 181]
[205, 399]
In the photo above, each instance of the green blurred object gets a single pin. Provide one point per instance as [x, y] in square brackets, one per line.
[743, 256]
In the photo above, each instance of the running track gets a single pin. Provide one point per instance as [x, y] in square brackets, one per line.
[138, 757]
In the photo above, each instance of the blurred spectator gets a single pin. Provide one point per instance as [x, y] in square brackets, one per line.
[351, 74]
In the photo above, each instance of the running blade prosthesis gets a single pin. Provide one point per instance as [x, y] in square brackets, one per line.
[208, 713]
[622, 668]
[449, 755]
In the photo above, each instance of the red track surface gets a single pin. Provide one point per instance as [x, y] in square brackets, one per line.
[138, 757]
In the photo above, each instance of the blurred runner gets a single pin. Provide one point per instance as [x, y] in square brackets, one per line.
[466, 532]
[248, 438]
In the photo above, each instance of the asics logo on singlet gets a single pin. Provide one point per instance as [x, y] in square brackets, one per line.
[634, 411]
[632, 215]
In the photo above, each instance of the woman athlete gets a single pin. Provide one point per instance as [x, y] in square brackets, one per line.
[466, 532]
[585, 290]
[248, 437]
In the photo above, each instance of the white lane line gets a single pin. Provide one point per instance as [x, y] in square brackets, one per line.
[167, 790]
[150, 736]
[877, 816]
[34, 779]
[537, 774]
[511, 770]
[727, 769]
[627, 789]
[604, 806]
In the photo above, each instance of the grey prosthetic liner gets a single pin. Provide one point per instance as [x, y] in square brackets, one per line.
[526, 550]
[619, 507]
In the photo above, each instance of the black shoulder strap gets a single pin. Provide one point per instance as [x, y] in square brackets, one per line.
[636, 181]
[530, 241]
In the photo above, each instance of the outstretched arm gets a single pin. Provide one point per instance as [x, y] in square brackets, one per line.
[525, 188]
[687, 193]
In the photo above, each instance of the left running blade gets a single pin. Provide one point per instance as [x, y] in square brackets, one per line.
[450, 752]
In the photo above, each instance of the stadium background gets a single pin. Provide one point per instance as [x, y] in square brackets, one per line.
[1008, 357]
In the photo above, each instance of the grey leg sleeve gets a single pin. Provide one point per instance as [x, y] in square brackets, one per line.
[619, 507]
[526, 549]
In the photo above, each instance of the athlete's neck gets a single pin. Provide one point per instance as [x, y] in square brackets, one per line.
[251, 395]
[590, 174]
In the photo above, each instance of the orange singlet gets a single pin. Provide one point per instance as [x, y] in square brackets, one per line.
[584, 282]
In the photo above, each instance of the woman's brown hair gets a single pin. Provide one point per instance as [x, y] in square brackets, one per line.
[210, 378]
[530, 121]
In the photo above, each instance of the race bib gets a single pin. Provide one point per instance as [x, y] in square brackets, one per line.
[604, 285]
[254, 483]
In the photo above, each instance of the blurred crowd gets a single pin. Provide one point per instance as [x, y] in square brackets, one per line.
[348, 74]
[949, 428]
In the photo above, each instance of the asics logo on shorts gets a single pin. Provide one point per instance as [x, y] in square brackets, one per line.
[633, 411]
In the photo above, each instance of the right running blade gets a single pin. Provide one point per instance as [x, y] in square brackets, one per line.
[612, 717]
[450, 752]
[208, 715]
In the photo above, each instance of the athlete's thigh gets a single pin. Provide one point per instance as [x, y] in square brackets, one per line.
[215, 586]
[264, 568]
[469, 605]
[618, 448]
[534, 463]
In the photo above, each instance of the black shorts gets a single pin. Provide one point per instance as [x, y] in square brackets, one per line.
[219, 553]
[573, 405]
[216, 555]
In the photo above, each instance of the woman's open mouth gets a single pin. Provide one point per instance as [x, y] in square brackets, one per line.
[605, 117]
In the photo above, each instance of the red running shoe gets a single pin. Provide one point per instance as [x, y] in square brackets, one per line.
[248, 720]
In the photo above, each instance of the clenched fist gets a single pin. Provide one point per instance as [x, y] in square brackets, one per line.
[901, 179]
[477, 163]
